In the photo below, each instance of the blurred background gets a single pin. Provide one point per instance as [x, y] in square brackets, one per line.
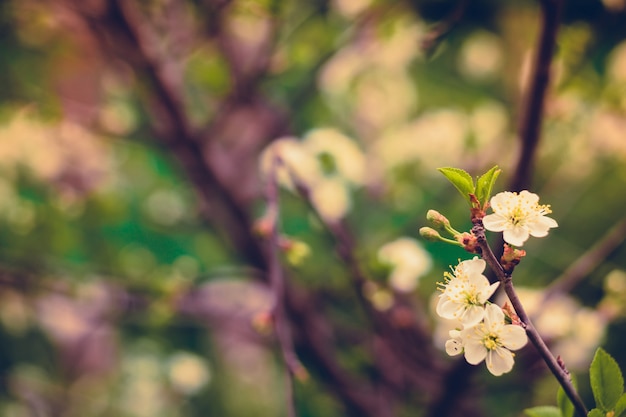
[133, 139]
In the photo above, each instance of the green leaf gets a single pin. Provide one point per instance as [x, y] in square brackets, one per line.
[620, 407]
[564, 403]
[596, 412]
[485, 182]
[607, 382]
[543, 411]
[460, 179]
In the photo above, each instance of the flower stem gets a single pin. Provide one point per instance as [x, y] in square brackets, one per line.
[555, 366]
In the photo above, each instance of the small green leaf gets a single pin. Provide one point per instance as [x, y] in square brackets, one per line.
[596, 412]
[460, 179]
[484, 184]
[543, 411]
[564, 403]
[620, 407]
[606, 379]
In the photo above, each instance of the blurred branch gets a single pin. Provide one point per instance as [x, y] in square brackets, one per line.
[410, 344]
[277, 284]
[246, 69]
[313, 346]
[457, 385]
[588, 261]
[434, 36]
[118, 24]
[529, 129]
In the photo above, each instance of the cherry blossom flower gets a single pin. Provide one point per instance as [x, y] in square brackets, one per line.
[454, 345]
[492, 340]
[465, 293]
[518, 216]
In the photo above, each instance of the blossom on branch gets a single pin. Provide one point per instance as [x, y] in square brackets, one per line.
[492, 341]
[465, 293]
[454, 345]
[518, 216]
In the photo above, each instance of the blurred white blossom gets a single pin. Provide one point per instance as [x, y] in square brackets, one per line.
[187, 372]
[331, 198]
[617, 63]
[350, 8]
[481, 56]
[330, 146]
[408, 261]
[294, 160]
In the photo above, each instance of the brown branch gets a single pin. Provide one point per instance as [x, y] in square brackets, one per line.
[313, 347]
[529, 129]
[556, 367]
[117, 25]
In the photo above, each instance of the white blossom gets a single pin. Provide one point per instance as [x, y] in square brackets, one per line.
[454, 345]
[518, 216]
[492, 341]
[465, 293]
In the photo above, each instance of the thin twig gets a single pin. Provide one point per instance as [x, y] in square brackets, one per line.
[434, 36]
[558, 369]
[529, 129]
[120, 21]
[277, 282]
[410, 343]
[112, 29]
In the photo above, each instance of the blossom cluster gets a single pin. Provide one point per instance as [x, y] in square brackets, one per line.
[481, 331]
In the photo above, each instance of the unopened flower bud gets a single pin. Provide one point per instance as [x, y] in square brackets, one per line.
[431, 234]
[511, 257]
[510, 315]
[437, 219]
[263, 226]
[296, 251]
[300, 373]
[262, 322]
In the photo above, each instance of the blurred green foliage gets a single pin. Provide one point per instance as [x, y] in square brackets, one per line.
[102, 232]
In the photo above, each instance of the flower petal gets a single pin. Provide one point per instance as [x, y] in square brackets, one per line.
[478, 281]
[454, 347]
[516, 236]
[498, 201]
[495, 222]
[487, 292]
[531, 199]
[475, 352]
[447, 308]
[494, 317]
[513, 337]
[499, 361]
[540, 225]
[471, 267]
[472, 315]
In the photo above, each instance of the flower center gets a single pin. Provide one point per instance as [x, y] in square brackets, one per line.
[517, 216]
[471, 298]
[491, 341]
